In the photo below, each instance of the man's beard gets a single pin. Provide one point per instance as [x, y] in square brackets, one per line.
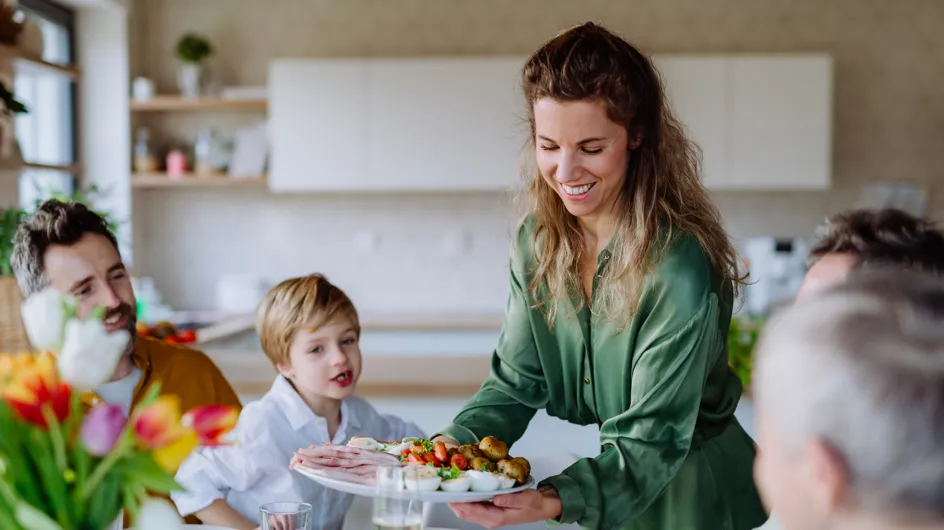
[131, 323]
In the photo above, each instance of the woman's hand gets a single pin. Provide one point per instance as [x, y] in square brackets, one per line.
[447, 441]
[527, 506]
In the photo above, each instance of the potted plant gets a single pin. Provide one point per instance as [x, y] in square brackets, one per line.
[742, 337]
[66, 466]
[192, 51]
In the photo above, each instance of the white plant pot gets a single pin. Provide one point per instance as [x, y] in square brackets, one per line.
[190, 79]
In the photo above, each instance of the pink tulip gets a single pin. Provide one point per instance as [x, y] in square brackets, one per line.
[101, 428]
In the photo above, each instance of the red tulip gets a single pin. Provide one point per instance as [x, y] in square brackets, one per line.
[158, 424]
[211, 423]
[36, 386]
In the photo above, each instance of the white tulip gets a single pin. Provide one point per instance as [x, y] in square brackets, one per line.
[90, 353]
[158, 514]
[44, 317]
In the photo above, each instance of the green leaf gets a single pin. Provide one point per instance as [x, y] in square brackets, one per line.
[51, 479]
[105, 502]
[131, 504]
[141, 469]
[8, 517]
[83, 463]
[20, 471]
[32, 519]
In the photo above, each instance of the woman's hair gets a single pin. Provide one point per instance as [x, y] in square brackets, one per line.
[662, 195]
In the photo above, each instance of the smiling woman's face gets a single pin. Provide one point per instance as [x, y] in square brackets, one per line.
[581, 154]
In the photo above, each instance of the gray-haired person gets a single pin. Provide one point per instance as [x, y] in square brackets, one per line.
[850, 406]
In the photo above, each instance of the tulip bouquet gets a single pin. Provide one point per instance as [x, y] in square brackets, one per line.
[64, 466]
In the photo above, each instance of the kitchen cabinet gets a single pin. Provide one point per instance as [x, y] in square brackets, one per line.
[318, 125]
[457, 124]
[696, 89]
[444, 124]
[450, 124]
[780, 122]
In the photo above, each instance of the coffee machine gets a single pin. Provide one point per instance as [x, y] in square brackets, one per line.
[777, 267]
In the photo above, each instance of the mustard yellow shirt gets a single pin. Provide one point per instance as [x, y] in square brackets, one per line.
[184, 372]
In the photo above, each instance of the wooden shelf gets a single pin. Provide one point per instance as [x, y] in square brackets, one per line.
[170, 103]
[74, 169]
[31, 61]
[189, 180]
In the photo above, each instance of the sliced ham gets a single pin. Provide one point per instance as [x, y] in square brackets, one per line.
[346, 456]
[341, 462]
[346, 475]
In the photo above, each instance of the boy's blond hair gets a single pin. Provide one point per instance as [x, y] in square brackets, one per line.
[307, 302]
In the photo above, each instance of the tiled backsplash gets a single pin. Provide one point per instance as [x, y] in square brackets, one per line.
[889, 67]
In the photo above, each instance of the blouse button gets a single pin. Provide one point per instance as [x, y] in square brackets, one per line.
[586, 380]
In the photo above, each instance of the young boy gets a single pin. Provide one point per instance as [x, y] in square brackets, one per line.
[309, 330]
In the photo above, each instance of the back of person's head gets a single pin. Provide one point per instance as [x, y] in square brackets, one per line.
[856, 371]
[54, 223]
[306, 302]
[882, 238]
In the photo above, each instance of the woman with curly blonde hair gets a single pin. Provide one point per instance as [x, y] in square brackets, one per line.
[622, 286]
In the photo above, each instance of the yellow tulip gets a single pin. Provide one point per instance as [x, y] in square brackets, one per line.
[169, 457]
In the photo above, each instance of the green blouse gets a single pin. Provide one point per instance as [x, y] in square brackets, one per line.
[672, 454]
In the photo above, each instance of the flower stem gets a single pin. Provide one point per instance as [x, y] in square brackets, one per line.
[101, 470]
[55, 435]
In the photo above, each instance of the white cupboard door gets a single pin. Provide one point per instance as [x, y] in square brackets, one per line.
[317, 125]
[781, 115]
[696, 92]
[451, 124]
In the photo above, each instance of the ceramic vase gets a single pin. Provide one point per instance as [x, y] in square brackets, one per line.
[190, 80]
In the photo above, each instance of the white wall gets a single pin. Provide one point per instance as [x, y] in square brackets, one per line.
[104, 124]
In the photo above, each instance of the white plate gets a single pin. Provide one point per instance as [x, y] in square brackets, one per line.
[425, 496]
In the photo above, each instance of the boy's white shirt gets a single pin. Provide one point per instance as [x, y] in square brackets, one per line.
[269, 431]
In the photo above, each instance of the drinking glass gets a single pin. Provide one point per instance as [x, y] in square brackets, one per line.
[286, 516]
[392, 511]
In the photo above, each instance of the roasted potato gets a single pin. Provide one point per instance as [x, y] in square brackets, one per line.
[480, 463]
[493, 448]
[470, 452]
[515, 469]
[524, 464]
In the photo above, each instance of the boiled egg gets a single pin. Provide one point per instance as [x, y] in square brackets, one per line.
[504, 481]
[457, 485]
[483, 480]
[421, 478]
[396, 449]
[364, 442]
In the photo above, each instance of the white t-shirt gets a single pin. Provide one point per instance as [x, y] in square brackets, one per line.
[121, 392]
[255, 470]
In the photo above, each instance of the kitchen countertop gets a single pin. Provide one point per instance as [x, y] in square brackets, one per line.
[251, 373]
[237, 324]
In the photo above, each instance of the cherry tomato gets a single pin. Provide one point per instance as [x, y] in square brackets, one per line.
[187, 336]
[405, 452]
[430, 457]
[415, 459]
[440, 451]
[459, 461]
[172, 340]
[417, 449]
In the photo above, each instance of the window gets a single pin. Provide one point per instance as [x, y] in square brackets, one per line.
[47, 133]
